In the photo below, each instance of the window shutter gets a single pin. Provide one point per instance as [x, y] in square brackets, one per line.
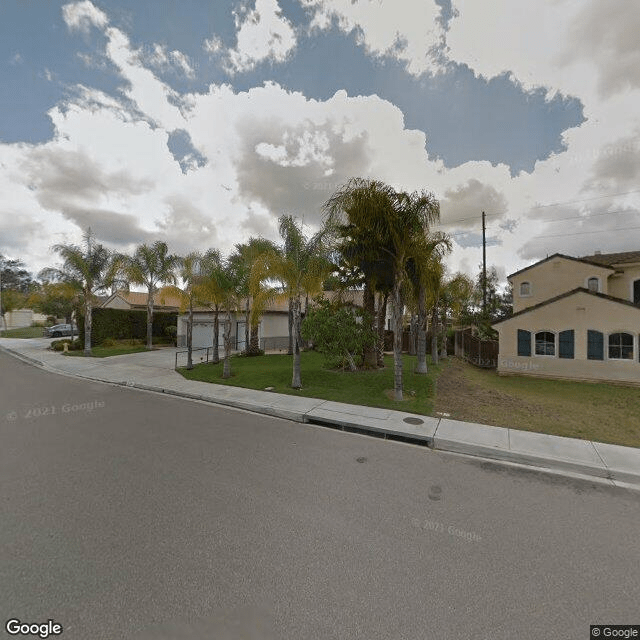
[566, 344]
[595, 345]
[524, 342]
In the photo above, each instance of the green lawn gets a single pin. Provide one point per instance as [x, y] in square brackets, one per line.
[23, 332]
[105, 352]
[590, 411]
[369, 388]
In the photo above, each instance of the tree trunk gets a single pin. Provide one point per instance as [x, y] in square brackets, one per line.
[413, 334]
[190, 337]
[149, 321]
[216, 330]
[226, 369]
[296, 381]
[382, 315]
[434, 334]
[254, 342]
[247, 313]
[443, 348]
[421, 366]
[290, 350]
[396, 296]
[369, 303]
[87, 323]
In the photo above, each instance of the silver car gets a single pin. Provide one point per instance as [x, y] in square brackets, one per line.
[59, 330]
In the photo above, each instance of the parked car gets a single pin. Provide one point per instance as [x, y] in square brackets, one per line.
[59, 330]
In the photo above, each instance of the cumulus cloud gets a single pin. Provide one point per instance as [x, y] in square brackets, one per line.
[463, 204]
[263, 34]
[173, 61]
[81, 16]
[407, 30]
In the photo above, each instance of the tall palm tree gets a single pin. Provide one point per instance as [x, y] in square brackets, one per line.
[149, 266]
[300, 266]
[210, 285]
[425, 271]
[91, 268]
[394, 221]
[244, 261]
[190, 269]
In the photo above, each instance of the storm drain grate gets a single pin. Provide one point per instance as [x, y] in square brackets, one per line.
[413, 420]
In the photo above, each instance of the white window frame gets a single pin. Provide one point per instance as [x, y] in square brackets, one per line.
[586, 283]
[555, 344]
[526, 295]
[634, 346]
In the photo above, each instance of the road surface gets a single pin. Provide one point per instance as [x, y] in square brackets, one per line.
[128, 514]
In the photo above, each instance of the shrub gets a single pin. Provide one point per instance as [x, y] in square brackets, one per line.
[338, 332]
[125, 324]
[108, 342]
[58, 345]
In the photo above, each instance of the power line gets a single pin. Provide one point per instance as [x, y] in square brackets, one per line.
[543, 206]
[579, 233]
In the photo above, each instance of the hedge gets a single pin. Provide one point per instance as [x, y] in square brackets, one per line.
[125, 324]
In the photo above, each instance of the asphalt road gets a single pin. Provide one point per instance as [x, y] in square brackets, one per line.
[126, 514]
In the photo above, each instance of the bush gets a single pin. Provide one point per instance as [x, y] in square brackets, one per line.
[108, 342]
[125, 324]
[76, 345]
[338, 332]
[58, 345]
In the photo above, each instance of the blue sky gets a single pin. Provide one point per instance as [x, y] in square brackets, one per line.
[201, 122]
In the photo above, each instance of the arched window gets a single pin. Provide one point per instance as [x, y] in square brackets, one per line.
[593, 284]
[525, 289]
[621, 346]
[545, 343]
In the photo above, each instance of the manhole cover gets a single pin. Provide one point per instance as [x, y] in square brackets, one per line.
[413, 421]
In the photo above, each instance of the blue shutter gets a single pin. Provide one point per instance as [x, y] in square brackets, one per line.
[524, 342]
[595, 345]
[566, 344]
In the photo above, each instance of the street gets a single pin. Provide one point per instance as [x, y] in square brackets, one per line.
[128, 514]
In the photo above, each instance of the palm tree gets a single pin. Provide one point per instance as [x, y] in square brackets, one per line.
[244, 261]
[190, 268]
[425, 272]
[300, 266]
[230, 289]
[210, 285]
[149, 266]
[91, 269]
[395, 221]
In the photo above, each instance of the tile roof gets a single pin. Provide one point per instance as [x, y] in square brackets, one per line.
[609, 259]
[603, 296]
[586, 260]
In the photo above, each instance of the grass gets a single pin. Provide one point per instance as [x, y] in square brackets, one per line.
[369, 388]
[600, 412]
[23, 332]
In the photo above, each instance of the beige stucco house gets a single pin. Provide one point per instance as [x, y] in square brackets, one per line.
[162, 301]
[575, 318]
[273, 330]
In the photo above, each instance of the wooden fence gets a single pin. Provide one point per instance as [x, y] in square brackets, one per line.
[481, 353]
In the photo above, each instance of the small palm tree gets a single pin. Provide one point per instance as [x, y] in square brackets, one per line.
[91, 269]
[211, 288]
[300, 266]
[149, 266]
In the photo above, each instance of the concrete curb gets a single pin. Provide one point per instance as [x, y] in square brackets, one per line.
[570, 456]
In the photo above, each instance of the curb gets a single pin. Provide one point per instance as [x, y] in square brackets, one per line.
[628, 479]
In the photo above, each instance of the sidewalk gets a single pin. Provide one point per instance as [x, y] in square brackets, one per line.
[153, 371]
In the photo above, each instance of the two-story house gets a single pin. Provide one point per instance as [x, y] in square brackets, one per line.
[575, 318]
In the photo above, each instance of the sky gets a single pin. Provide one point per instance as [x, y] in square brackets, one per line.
[201, 122]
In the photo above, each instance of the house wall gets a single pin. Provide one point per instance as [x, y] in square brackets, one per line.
[554, 277]
[621, 285]
[579, 312]
[22, 318]
[117, 303]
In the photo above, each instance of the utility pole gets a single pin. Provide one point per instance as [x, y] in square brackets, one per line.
[484, 265]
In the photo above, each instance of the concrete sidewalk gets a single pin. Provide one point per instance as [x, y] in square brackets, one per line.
[153, 371]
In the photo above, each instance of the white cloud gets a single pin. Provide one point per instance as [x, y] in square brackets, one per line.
[408, 30]
[263, 34]
[174, 61]
[81, 16]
